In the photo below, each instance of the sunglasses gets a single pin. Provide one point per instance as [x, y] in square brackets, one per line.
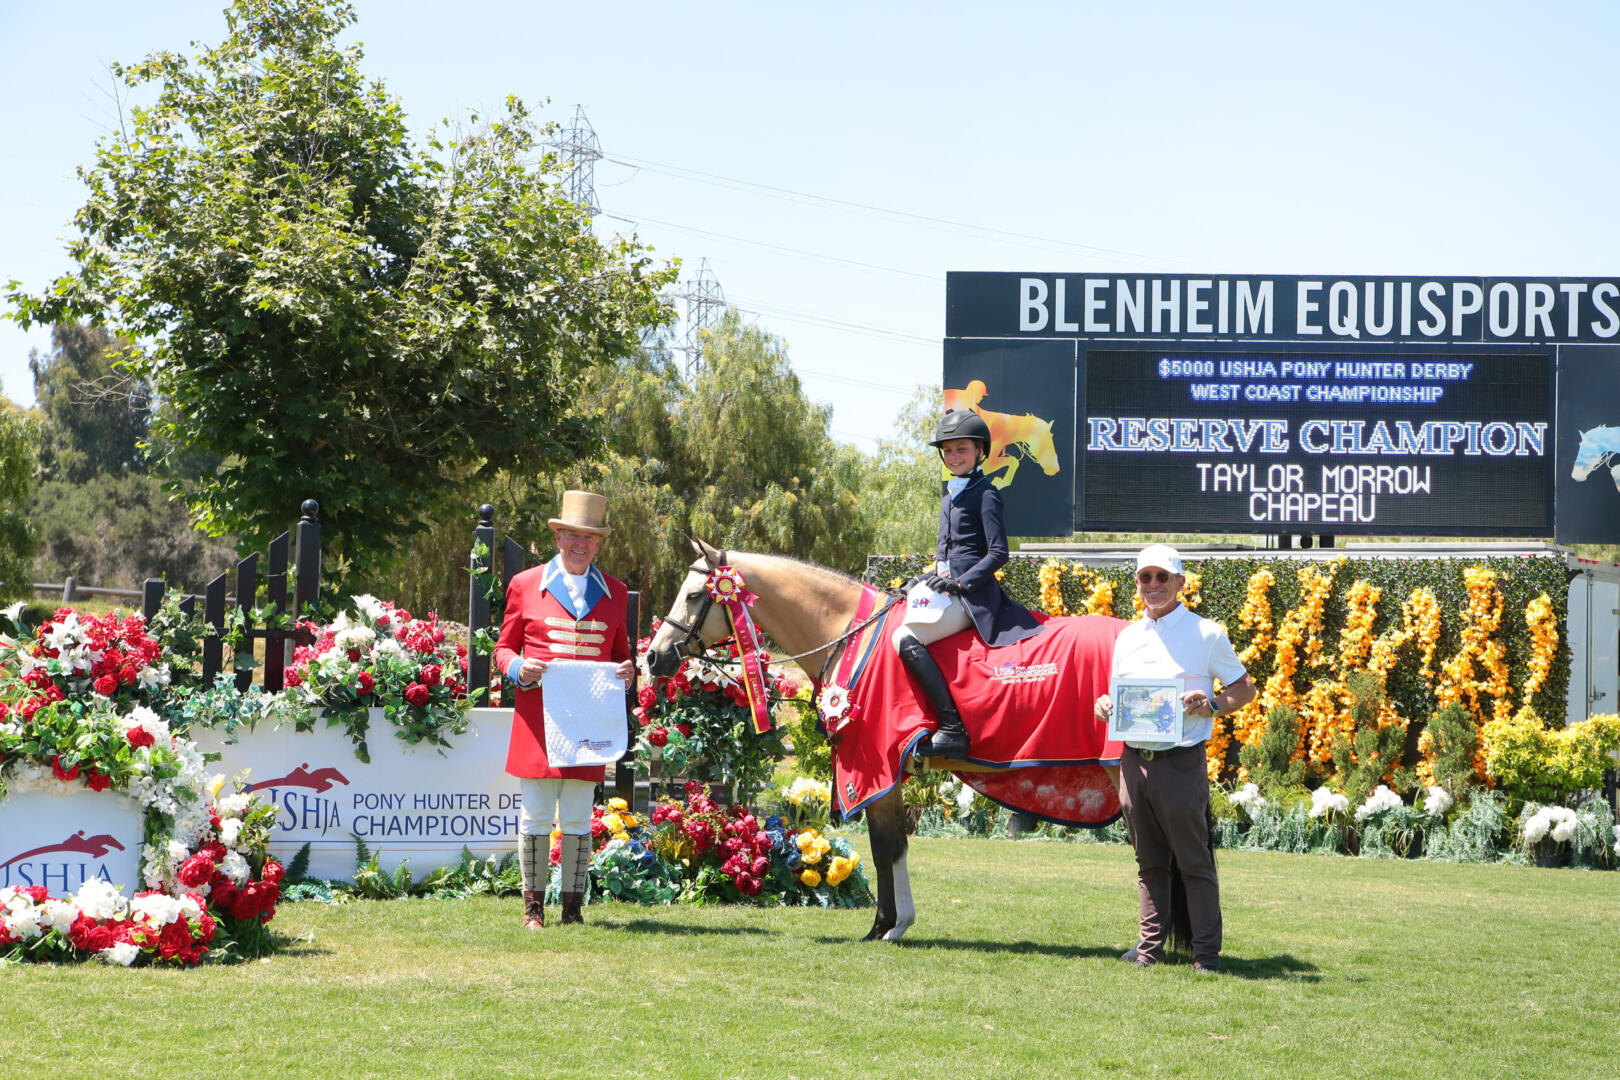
[1145, 576]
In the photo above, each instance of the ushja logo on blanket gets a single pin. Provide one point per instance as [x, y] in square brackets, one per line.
[1016, 673]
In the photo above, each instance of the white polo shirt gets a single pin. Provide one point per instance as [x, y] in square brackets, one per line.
[1180, 646]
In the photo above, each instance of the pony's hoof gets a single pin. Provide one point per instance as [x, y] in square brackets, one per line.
[877, 933]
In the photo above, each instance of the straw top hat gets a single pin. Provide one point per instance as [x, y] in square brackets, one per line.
[583, 511]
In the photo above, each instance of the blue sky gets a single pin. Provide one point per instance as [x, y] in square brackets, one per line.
[832, 162]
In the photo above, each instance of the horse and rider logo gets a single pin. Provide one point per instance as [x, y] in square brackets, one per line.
[318, 781]
[1013, 438]
[1599, 449]
[95, 847]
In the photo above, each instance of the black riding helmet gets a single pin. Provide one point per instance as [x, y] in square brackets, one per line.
[961, 424]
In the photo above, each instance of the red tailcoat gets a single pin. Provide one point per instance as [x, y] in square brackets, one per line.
[538, 626]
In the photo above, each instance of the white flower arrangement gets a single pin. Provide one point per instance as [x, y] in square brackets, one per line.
[1437, 802]
[1249, 799]
[1617, 839]
[1325, 801]
[1555, 821]
[1381, 800]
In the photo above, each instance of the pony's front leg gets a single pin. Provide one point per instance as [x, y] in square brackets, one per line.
[1011, 471]
[886, 828]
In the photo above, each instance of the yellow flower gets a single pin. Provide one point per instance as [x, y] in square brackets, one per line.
[812, 847]
[614, 822]
[810, 878]
[895, 583]
[618, 805]
[630, 820]
[841, 868]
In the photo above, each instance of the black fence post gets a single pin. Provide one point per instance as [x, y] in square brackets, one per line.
[478, 661]
[309, 557]
[247, 589]
[624, 774]
[275, 595]
[214, 616]
[151, 597]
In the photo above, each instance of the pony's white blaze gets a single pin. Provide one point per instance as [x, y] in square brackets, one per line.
[905, 913]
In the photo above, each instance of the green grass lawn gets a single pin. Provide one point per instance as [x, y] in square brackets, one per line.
[1334, 968]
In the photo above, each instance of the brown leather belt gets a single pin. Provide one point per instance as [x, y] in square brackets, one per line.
[1149, 755]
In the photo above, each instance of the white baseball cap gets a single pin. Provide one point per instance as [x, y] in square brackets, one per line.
[1162, 556]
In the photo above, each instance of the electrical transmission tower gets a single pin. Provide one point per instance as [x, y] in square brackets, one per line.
[705, 303]
[576, 145]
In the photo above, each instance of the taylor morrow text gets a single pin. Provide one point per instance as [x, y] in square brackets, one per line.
[1353, 310]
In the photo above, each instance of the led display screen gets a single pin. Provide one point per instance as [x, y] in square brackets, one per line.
[1448, 442]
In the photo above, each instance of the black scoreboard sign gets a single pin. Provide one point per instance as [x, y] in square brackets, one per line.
[1371, 406]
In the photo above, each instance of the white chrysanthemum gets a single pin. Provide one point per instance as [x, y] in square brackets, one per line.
[57, 914]
[1325, 801]
[154, 909]
[123, 953]
[20, 916]
[100, 899]
[230, 831]
[236, 868]
[964, 798]
[1617, 839]
[1438, 802]
[390, 649]
[1378, 802]
[153, 676]
[1245, 794]
[1564, 821]
[234, 805]
[369, 606]
[1536, 825]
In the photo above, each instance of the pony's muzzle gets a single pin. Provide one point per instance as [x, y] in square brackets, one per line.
[663, 662]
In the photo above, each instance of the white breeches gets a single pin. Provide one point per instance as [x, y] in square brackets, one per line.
[569, 801]
[931, 616]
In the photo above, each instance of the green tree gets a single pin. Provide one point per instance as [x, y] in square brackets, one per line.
[903, 479]
[333, 312]
[95, 416]
[18, 436]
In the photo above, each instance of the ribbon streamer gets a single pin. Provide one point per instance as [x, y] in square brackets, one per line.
[727, 588]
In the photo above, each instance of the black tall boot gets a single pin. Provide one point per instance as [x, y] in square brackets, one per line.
[951, 739]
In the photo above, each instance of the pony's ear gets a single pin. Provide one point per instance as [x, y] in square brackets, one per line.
[714, 556]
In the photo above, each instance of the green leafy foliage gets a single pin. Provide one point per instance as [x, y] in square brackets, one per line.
[1456, 743]
[18, 534]
[1364, 760]
[332, 311]
[1269, 762]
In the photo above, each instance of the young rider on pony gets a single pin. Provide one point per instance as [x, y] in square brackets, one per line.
[963, 590]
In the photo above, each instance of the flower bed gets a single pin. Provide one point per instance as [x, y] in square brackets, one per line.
[75, 714]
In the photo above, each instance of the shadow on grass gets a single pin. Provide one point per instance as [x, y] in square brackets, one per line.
[653, 926]
[1266, 967]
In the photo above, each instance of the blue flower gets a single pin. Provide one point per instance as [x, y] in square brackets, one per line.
[794, 860]
[774, 823]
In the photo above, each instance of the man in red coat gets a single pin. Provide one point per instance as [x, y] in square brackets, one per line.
[564, 610]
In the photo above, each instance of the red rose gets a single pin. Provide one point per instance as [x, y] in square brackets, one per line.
[55, 693]
[647, 697]
[354, 656]
[28, 708]
[658, 736]
[556, 853]
[292, 678]
[417, 694]
[367, 683]
[760, 865]
[106, 685]
[195, 871]
[63, 775]
[223, 895]
[126, 675]
[214, 850]
[429, 675]
[273, 872]
[139, 737]
[748, 885]
[685, 729]
[99, 780]
[598, 830]
[641, 715]
[245, 904]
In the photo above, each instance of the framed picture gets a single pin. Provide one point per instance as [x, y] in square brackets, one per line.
[1147, 710]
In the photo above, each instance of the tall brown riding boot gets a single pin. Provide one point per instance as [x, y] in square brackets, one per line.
[532, 861]
[950, 740]
[575, 866]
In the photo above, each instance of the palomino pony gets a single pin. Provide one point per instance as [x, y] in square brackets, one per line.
[807, 610]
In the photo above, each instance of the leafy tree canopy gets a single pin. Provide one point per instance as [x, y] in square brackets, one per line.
[330, 311]
[95, 416]
[18, 537]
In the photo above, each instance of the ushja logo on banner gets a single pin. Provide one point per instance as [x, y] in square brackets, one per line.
[305, 810]
[28, 865]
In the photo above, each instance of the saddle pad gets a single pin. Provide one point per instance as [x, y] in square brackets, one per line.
[584, 706]
[1026, 706]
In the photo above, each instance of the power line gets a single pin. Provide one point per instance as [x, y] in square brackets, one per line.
[696, 175]
[636, 219]
[812, 319]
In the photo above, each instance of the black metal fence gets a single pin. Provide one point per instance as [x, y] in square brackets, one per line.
[306, 588]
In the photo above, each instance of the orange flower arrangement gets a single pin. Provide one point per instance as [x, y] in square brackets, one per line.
[1543, 623]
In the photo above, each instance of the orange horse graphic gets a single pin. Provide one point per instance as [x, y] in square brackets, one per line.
[1012, 438]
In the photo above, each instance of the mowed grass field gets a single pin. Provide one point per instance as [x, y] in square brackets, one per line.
[1334, 968]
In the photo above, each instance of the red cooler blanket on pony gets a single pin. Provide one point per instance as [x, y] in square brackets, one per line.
[1029, 708]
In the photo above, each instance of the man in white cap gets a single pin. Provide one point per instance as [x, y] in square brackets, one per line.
[1164, 787]
[570, 610]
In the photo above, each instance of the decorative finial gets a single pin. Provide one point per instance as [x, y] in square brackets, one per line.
[486, 515]
[310, 508]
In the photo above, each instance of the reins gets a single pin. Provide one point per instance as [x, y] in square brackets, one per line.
[693, 631]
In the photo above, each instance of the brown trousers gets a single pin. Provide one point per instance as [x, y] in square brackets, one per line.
[1166, 803]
